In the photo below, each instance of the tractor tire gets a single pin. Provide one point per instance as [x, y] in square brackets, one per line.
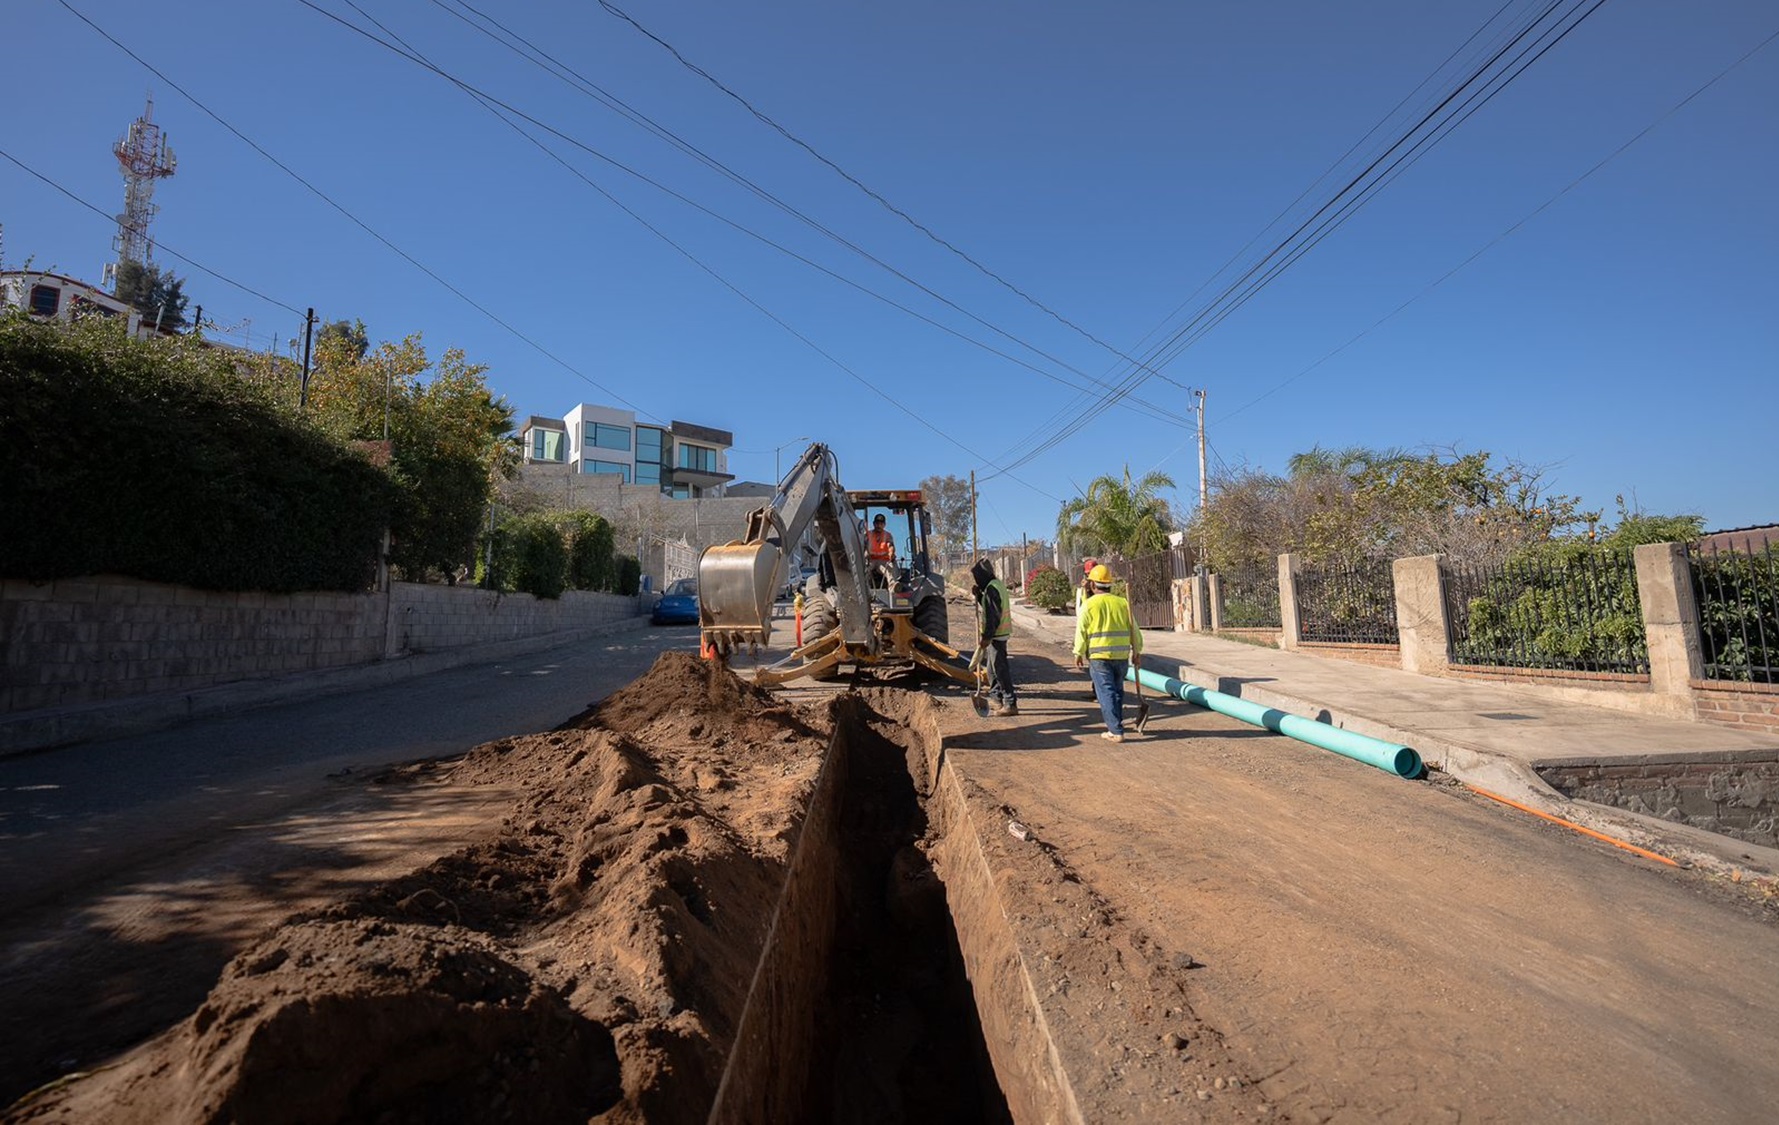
[819, 618]
[930, 618]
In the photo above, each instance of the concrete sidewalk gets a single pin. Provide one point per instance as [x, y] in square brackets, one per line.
[1494, 736]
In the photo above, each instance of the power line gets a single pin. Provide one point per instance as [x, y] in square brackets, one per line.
[688, 255]
[504, 107]
[582, 84]
[224, 278]
[1358, 190]
[1515, 227]
[856, 182]
[356, 221]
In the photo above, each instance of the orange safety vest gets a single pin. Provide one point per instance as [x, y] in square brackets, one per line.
[880, 544]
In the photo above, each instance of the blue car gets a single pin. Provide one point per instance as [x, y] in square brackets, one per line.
[678, 604]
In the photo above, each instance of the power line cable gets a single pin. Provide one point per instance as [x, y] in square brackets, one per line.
[722, 280]
[354, 219]
[1246, 286]
[1515, 227]
[161, 246]
[490, 101]
[868, 191]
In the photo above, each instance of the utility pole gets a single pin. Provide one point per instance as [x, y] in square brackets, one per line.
[308, 333]
[1203, 487]
[1204, 492]
[975, 543]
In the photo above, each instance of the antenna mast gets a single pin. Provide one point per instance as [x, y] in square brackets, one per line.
[144, 157]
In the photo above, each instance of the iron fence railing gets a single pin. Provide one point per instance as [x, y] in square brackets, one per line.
[1577, 612]
[1250, 598]
[1738, 597]
[1354, 604]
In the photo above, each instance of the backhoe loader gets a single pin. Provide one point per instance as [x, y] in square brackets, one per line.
[857, 610]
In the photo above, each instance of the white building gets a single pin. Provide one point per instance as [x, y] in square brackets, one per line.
[686, 461]
[55, 297]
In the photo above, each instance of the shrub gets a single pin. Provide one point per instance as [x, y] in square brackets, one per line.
[629, 569]
[590, 543]
[1049, 589]
[157, 460]
[530, 556]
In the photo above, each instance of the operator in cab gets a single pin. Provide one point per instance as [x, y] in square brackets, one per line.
[880, 545]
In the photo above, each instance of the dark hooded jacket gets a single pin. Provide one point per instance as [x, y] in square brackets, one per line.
[981, 574]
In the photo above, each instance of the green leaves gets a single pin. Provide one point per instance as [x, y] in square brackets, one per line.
[1118, 515]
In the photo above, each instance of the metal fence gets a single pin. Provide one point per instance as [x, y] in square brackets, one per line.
[1738, 597]
[1578, 612]
[1353, 604]
[1251, 597]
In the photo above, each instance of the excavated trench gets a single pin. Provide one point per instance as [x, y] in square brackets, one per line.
[860, 1009]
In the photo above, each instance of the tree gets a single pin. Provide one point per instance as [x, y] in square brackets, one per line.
[1118, 515]
[948, 499]
[447, 436]
[349, 336]
[159, 297]
[1352, 505]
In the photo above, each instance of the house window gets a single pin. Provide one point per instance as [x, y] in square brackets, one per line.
[698, 457]
[607, 467]
[609, 437]
[45, 300]
[647, 473]
[547, 445]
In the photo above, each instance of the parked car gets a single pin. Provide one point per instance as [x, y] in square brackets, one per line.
[678, 604]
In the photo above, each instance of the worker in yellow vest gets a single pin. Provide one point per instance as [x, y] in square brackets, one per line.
[1109, 644]
[994, 626]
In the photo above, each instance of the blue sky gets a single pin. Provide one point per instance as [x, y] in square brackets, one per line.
[1120, 163]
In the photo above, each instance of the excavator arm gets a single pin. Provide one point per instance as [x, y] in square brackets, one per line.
[737, 581]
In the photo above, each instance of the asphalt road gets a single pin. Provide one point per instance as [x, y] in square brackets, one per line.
[76, 815]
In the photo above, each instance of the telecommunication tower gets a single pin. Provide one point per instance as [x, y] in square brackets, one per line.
[143, 155]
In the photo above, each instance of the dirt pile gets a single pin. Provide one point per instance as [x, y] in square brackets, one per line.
[590, 959]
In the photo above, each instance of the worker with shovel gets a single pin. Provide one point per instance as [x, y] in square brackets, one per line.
[1108, 643]
[994, 625]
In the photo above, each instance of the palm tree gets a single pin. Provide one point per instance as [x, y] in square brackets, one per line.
[1118, 516]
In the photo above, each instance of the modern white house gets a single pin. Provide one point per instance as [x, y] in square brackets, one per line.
[685, 460]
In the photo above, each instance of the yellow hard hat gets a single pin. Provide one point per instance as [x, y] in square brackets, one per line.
[1100, 574]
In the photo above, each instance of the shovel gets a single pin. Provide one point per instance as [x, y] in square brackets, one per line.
[1142, 706]
[979, 699]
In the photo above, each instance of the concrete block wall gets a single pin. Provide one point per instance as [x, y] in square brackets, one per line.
[92, 640]
[431, 618]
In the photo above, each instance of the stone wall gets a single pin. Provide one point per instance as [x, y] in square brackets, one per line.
[1739, 799]
[92, 640]
[1378, 656]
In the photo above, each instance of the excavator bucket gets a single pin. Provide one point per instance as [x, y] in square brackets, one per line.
[736, 583]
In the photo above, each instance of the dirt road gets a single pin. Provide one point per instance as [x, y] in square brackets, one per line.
[1269, 930]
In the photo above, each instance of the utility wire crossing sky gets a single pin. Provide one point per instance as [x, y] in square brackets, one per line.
[1010, 240]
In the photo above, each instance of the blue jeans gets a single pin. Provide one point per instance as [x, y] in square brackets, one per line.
[1108, 684]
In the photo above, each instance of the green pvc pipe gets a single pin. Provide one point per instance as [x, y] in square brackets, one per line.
[1402, 761]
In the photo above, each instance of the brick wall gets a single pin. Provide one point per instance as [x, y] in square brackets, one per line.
[1749, 706]
[90, 640]
[1380, 656]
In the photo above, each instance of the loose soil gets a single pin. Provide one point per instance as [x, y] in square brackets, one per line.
[589, 957]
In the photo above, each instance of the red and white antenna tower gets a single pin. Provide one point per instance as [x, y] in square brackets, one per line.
[143, 155]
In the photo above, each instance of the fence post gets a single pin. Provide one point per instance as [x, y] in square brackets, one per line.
[1670, 618]
[1290, 629]
[1215, 596]
[1421, 623]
